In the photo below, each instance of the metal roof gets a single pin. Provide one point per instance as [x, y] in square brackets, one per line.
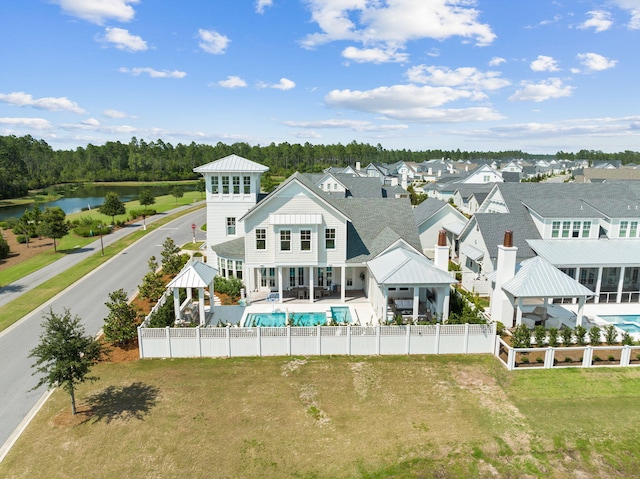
[537, 278]
[195, 274]
[471, 252]
[232, 163]
[456, 227]
[400, 266]
[295, 219]
[588, 252]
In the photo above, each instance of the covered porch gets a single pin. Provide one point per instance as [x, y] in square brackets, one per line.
[198, 276]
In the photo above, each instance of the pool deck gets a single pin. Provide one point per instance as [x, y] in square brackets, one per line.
[362, 313]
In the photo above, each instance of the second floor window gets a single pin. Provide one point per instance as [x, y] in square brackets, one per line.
[214, 185]
[305, 240]
[633, 230]
[236, 185]
[330, 238]
[225, 185]
[261, 238]
[566, 227]
[246, 180]
[555, 229]
[623, 229]
[586, 229]
[231, 226]
[285, 240]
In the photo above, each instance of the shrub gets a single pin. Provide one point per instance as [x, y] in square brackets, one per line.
[87, 227]
[627, 340]
[553, 337]
[524, 359]
[164, 316]
[540, 334]
[521, 337]
[594, 335]
[568, 360]
[539, 360]
[22, 239]
[152, 286]
[610, 334]
[500, 328]
[134, 214]
[231, 287]
[597, 359]
[4, 248]
[581, 334]
[567, 336]
[611, 357]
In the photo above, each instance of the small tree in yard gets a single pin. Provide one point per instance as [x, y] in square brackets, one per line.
[177, 192]
[120, 325]
[112, 206]
[152, 286]
[53, 224]
[65, 354]
[146, 198]
[172, 260]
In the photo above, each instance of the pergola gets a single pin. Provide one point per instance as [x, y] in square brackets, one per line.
[537, 278]
[195, 274]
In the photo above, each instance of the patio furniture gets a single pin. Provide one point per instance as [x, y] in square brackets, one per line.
[301, 294]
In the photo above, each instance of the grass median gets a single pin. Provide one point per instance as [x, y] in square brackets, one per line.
[20, 307]
[336, 417]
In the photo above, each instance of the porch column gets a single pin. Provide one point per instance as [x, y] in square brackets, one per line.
[580, 313]
[343, 282]
[577, 278]
[385, 306]
[598, 285]
[620, 284]
[201, 305]
[280, 284]
[176, 304]
[416, 302]
[445, 303]
[311, 272]
[519, 313]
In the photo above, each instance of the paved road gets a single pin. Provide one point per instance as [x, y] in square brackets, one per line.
[86, 299]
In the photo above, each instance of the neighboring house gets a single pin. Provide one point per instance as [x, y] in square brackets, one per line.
[482, 175]
[469, 197]
[589, 231]
[311, 237]
[431, 217]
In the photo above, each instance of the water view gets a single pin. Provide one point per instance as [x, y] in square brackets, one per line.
[78, 198]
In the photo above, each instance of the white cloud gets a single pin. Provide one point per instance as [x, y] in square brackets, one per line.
[47, 103]
[116, 114]
[98, 11]
[90, 122]
[262, 4]
[410, 102]
[395, 23]
[633, 7]
[212, 41]
[34, 123]
[495, 61]
[283, 84]
[153, 73]
[232, 82]
[123, 40]
[374, 55]
[599, 20]
[545, 90]
[595, 62]
[354, 125]
[544, 64]
[464, 77]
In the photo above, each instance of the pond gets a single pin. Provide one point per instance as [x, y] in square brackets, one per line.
[78, 198]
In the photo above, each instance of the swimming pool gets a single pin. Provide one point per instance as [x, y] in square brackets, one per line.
[279, 319]
[341, 314]
[629, 323]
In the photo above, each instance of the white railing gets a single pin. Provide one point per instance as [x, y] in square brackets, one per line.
[316, 340]
[570, 356]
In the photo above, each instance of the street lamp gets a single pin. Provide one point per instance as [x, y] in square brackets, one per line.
[193, 229]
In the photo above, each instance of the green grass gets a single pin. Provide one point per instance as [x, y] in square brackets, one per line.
[336, 417]
[18, 308]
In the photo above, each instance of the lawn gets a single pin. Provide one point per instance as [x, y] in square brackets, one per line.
[336, 417]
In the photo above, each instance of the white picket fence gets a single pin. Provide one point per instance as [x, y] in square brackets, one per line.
[316, 340]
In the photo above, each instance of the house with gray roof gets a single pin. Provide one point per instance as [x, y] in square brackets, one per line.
[431, 217]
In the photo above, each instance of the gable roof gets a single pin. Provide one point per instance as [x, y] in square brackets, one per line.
[232, 163]
[427, 209]
[195, 274]
[493, 225]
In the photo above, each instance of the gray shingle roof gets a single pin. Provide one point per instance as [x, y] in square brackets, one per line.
[231, 249]
[427, 209]
[493, 225]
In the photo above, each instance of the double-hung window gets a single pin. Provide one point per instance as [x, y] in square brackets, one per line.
[586, 229]
[566, 227]
[225, 185]
[633, 229]
[261, 238]
[305, 240]
[246, 181]
[285, 240]
[214, 185]
[231, 226]
[236, 185]
[623, 229]
[555, 229]
[330, 238]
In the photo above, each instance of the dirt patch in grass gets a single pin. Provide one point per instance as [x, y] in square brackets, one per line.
[20, 252]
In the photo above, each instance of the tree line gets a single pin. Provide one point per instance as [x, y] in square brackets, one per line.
[28, 163]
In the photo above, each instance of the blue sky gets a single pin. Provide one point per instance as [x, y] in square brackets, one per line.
[537, 75]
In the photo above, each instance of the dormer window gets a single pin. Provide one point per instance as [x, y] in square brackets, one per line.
[214, 185]
[225, 185]
[247, 184]
[236, 185]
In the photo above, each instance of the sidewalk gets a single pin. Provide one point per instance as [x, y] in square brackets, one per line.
[16, 289]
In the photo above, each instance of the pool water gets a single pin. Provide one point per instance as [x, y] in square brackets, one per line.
[279, 319]
[341, 314]
[629, 323]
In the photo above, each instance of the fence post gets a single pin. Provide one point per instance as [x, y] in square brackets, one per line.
[466, 338]
[548, 357]
[140, 350]
[437, 344]
[511, 358]
[378, 339]
[199, 341]
[587, 356]
[289, 340]
[319, 340]
[228, 340]
[625, 355]
[408, 338]
[168, 332]
[348, 340]
[259, 341]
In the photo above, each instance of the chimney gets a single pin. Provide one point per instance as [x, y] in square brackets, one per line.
[441, 252]
[404, 180]
[357, 166]
[501, 306]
